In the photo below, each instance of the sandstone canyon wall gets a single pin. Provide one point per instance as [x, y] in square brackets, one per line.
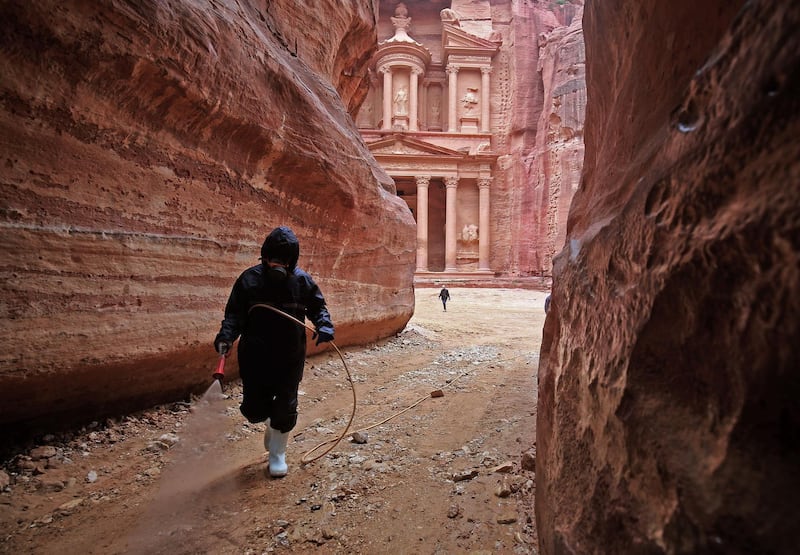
[669, 381]
[541, 135]
[147, 149]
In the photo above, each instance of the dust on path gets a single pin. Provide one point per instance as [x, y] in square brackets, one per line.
[424, 482]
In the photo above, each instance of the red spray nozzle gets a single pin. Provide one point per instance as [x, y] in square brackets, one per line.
[220, 371]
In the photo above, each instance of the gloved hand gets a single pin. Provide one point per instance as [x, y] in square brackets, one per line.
[222, 347]
[322, 336]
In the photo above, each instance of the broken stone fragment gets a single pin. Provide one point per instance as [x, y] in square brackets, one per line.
[465, 475]
[44, 452]
[70, 505]
[157, 446]
[503, 468]
[52, 484]
[503, 489]
[529, 460]
[169, 439]
[360, 437]
[506, 519]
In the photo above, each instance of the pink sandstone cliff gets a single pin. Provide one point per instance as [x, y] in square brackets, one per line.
[544, 135]
[147, 149]
[669, 381]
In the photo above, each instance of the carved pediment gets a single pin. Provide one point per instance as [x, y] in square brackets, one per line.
[398, 145]
[456, 40]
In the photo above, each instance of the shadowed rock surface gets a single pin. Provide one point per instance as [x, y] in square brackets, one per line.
[147, 150]
[668, 418]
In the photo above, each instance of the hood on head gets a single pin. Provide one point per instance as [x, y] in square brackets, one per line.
[281, 244]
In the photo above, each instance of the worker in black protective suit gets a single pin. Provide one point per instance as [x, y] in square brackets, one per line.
[272, 348]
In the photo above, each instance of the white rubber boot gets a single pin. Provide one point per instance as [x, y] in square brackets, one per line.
[277, 453]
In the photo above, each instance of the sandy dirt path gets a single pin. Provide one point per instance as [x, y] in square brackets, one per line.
[447, 476]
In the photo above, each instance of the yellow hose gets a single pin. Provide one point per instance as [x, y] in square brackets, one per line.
[304, 459]
[335, 442]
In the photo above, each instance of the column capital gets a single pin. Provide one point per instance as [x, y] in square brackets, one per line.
[423, 180]
[452, 68]
[486, 70]
[416, 71]
[451, 182]
[485, 182]
[385, 69]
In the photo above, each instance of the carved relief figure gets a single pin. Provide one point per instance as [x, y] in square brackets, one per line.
[470, 233]
[401, 101]
[470, 99]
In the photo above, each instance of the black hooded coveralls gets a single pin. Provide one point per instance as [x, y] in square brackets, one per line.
[272, 348]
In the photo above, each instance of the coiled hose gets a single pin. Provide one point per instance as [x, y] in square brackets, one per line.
[306, 458]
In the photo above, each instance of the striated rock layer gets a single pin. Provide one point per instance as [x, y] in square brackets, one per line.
[667, 417]
[147, 149]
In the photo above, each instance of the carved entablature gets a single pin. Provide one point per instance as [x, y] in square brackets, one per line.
[401, 168]
[398, 147]
[469, 61]
[391, 58]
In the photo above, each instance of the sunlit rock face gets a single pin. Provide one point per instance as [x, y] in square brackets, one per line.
[147, 150]
[668, 384]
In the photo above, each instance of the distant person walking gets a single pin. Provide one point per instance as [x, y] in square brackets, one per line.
[444, 294]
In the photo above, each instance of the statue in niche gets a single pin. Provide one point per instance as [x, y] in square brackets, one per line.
[470, 99]
[470, 233]
[401, 101]
[436, 110]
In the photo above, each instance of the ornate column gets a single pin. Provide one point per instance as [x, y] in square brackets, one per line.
[413, 100]
[485, 93]
[423, 181]
[484, 184]
[452, 86]
[450, 224]
[387, 97]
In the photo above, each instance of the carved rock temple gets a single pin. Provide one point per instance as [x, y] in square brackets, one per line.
[438, 119]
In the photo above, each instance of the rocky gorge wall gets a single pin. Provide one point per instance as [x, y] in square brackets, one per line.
[147, 150]
[668, 384]
[542, 135]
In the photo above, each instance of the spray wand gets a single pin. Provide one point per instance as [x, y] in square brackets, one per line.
[219, 373]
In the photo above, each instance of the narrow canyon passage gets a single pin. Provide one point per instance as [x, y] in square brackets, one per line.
[452, 474]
